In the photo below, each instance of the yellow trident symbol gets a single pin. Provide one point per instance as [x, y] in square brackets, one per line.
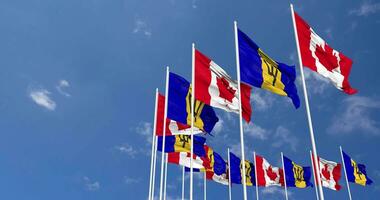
[299, 176]
[184, 139]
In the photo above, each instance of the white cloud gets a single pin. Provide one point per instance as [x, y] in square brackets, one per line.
[41, 97]
[91, 185]
[283, 137]
[262, 100]
[130, 180]
[315, 83]
[356, 115]
[328, 32]
[274, 190]
[127, 149]
[145, 129]
[366, 8]
[62, 84]
[194, 4]
[256, 131]
[142, 27]
[218, 127]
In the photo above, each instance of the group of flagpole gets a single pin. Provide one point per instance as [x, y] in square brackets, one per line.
[313, 153]
[307, 107]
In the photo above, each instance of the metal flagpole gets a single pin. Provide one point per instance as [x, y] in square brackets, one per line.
[166, 175]
[345, 172]
[164, 132]
[257, 188]
[153, 145]
[307, 105]
[154, 166]
[283, 167]
[204, 187]
[183, 182]
[229, 175]
[315, 181]
[192, 118]
[240, 111]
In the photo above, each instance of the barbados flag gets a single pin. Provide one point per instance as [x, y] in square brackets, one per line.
[259, 70]
[179, 105]
[355, 172]
[237, 171]
[182, 143]
[296, 175]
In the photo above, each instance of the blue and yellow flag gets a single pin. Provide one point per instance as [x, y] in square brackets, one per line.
[179, 108]
[356, 173]
[296, 175]
[259, 70]
[182, 143]
[237, 171]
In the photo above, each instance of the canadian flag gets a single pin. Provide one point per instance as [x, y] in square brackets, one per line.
[330, 173]
[172, 127]
[267, 175]
[320, 57]
[183, 158]
[216, 88]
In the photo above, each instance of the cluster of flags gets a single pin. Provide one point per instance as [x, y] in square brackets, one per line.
[186, 113]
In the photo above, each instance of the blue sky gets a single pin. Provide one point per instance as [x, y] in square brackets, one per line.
[78, 79]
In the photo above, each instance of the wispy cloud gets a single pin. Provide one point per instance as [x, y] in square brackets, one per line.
[91, 185]
[315, 82]
[194, 4]
[127, 149]
[274, 190]
[130, 180]
[256, 131]
[218, 127]
[142, 27]
[262, 100]
[366, 8]
[41, 97]
[62, 85]
[283, 137]
[145, 129]
[356, 115]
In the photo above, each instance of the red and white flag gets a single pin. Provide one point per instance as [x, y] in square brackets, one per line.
[216, 88]
[330, 173]
[172, 127]
[183, 158]
[320, 57]
[267, 175]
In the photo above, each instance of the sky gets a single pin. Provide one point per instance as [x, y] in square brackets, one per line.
[78, 80]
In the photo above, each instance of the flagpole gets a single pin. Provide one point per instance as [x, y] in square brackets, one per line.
[204, 187]
[166, 175]
[307, 106]
[183, 182]
[164, 132]
[345, 172]
[154, 166]
[192, 117]
[229, 175]
[240, 110]
[153, 140]
[283, 167]
[257, 188]
[315, 181]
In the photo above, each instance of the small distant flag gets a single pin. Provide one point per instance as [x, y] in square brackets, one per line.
[259, 70]
[296, 175]
[330, 173]
[237, 171]
[320, 57]
[179, 105]
[356, 173]
[172, 127]
[267, 175]
[183, 158]
[182, 143]
[217, 89]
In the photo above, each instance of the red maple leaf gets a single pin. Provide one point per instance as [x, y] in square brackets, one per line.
[325, 172]
[272, 175]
